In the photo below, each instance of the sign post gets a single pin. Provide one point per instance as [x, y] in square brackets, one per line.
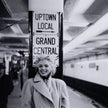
[45, 25]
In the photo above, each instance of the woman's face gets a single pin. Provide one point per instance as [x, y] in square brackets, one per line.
[44, 68]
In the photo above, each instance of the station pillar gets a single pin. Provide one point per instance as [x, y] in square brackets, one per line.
[46, 33]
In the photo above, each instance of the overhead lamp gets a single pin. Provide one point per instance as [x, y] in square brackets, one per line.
[76, 16]
[76, 21]
[16, 29]
[81, 6]
[97, 28]
[66, 36]
[26, 36]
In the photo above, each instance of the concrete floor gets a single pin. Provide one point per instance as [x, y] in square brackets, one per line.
[77, 100]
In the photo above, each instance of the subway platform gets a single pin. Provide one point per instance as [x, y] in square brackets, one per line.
[77, 99]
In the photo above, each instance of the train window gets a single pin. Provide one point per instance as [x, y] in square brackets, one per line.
[72, 65]
[97, 68]
[92, 65]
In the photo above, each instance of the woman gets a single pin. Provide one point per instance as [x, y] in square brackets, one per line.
[43, 91]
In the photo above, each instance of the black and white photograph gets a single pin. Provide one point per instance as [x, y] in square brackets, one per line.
[53, 53]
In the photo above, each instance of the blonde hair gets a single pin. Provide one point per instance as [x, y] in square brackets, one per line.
[47, 58]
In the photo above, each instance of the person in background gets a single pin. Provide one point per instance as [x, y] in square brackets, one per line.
[6, 87]
[23, 73]
[13, 72]
[43, 91]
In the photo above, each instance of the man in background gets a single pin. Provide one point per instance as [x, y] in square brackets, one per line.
[6, 87]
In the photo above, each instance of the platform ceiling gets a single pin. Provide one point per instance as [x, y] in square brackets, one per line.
[85, 28]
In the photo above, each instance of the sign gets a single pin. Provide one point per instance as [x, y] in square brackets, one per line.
[45, 35]
[46, 23]
[45, 45]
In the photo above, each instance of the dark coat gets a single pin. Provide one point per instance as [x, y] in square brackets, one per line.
[6, 87]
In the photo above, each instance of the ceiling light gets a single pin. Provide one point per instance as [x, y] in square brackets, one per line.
[100, 26]
[26, 36]
[81, 6]
[66, 36]
[78, 20]
[16, 29]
